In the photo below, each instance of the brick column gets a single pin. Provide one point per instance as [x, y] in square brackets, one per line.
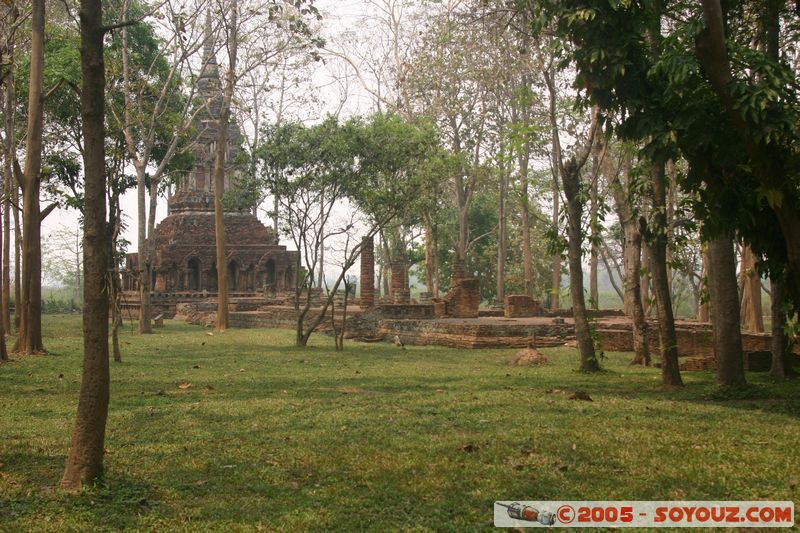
[367, 273]
[400, 292]
[459, 271]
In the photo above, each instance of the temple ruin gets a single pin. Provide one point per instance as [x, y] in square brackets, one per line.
[184, 262]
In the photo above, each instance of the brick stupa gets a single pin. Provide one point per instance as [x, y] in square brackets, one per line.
[185, 254]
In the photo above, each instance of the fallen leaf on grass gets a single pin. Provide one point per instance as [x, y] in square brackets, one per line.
[196, 366]
[184, 385]
[469, 447]
[161, 392]
[209, 333]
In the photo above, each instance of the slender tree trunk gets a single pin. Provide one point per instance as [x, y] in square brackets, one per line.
[3, 349]
[219, 171]
[725, 323]
[779, 369]
[571, 182]
[525, 223]
[633, 254]
[114, 227]
[9, 182]
[632, 264]
[594, 293]
[387, 260]
[501, 236]
[144, 257]
[430, 257]
[29, 337]
[85, 461]
[17, 260]
[670, 371]
[555, 276]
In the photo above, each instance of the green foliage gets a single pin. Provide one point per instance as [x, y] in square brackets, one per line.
[376, 163]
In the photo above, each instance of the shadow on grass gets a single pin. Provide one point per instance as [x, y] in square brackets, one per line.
[116, 502]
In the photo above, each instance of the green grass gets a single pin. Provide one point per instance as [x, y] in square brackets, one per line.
[270, 437]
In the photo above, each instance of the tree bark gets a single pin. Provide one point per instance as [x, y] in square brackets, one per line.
[17, 259]
[9, 182]
[501, 235]
[144, 260]
[555, 275]
[781, 360]
[632, 264]
[725, 323]
[570, 179]
[219, 170]
[750, 281]
[431, 256]
[670, 371]
[85, 461]
[523, 161]
[29, 336]
[594, 293]
[3, 349]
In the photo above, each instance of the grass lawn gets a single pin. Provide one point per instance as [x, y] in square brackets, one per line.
[270, 437]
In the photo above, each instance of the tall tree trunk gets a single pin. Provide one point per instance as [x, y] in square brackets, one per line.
[555, 274]
[725, 323]
[632, 264]
[501, 236]
[523, 160]
[431, 253]
[114, 227]
[85, 461]
[594, 293]
[752, 314]
[144, 257]
[570, 179]
[3, 349]
[17, 259]
[9, 182]
[670, 371]
[219, 170]
[781, 360]
[387, 261]
[29, 337]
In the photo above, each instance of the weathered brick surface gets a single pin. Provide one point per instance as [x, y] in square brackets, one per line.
[521, 305]
[464, 299]
[406, 311]
[400, 292]
[367, 278]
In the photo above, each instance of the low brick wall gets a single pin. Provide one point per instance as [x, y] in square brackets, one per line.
[406, 311]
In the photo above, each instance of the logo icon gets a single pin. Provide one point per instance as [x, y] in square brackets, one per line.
[527, 513]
